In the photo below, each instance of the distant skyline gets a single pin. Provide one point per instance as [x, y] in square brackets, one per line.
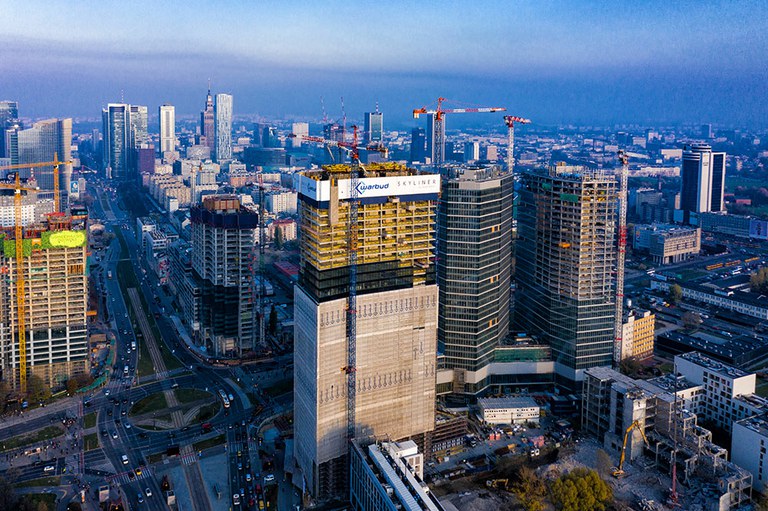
[556, 62]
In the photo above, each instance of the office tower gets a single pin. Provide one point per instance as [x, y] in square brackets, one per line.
[432, 137]
[706, 132]
[474, 221]
[300, 129]
[223, 237]
[418, 145]
[374, 127]
[471, 152]
[207, 123]
[396, 316]
[702, 185]
[39, 144]
[139, 126]
[167, 115]
[269, 138]
[491, 153]
[116, 129]
[56, 290]
[566, 251]
[223, 127]
[258, 131]
[9, 115]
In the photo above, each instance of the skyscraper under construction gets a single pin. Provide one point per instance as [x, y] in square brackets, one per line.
[566, 254]
[56, 301]
[396, 315]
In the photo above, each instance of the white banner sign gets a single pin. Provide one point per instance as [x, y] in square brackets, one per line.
[397, 186]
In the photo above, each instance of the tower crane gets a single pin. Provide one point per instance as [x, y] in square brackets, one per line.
[350, 369]
[439, 132]
[21, 308]
[510, 121]
[618, 326]
[55, 163]
[635, 425]
[262, 241]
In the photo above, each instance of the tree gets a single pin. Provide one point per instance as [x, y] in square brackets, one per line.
[529, 489]
[580, 490]
[675, 294]
[603, 464]
[692, 320]
[72, 386]
[758, 281]
[5, 390]
[37, 390]
[272, 326]
[278, 237]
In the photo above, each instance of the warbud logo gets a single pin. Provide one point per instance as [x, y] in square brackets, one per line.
[362, 187]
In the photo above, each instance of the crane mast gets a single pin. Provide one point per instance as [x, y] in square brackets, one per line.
[350, 369]
[510, 121]
[620, 257]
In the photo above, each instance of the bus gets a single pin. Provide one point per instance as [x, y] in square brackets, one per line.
[224, 398]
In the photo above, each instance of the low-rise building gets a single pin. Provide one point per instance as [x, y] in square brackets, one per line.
[667, 243]
[509, 410]
[638, 334]
[742, 302]
[387, 476]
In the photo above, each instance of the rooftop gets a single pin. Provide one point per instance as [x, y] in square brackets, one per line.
[713, 365]
[508, 402]
[758, 424]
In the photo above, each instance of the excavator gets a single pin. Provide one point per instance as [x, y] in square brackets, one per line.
[497, 483]
[619, 471]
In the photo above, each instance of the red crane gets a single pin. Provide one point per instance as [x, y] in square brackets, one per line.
[353, 147]
[438, 144]
[510, 121]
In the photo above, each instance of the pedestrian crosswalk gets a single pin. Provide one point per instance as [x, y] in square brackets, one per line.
[189, 458]
[124, 477]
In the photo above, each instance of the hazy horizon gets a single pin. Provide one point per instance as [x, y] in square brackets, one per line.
[555, 62]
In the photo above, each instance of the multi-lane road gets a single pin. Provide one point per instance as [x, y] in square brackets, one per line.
[120, 438]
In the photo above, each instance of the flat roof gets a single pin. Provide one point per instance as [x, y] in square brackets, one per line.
[508, 402]
[713, 365]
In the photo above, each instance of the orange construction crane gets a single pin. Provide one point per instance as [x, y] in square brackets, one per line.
[439, 132]
[55, 163]
[20, 299]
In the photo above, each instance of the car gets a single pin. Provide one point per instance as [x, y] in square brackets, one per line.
[49, 468]
[148, 492]
[242, 492]
[109, 412]
[106, 392]
[124, 457]
[127, 426]
[239, 466]
[239, 453]
[248, 477]
[141, 498]
[231, 397]
[236, 499]
[114, 435]
[138, 471]
[104, 432]
[269, 478]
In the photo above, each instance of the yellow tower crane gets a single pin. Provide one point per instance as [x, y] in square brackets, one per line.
[19, 234]
[55, 164]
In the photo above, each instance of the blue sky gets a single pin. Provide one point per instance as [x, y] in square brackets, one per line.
[583, 62]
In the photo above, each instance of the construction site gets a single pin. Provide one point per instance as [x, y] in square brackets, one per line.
[651, 423]
[43, 290]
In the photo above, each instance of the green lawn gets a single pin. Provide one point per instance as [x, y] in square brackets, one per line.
[37, 436]
[145, 366]
[48, 499]
[211, 442]
[149, 404]
[91, 442]
[43, 481]
[280, 388]
[191, 395]
[207, 412]
[89, 420]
